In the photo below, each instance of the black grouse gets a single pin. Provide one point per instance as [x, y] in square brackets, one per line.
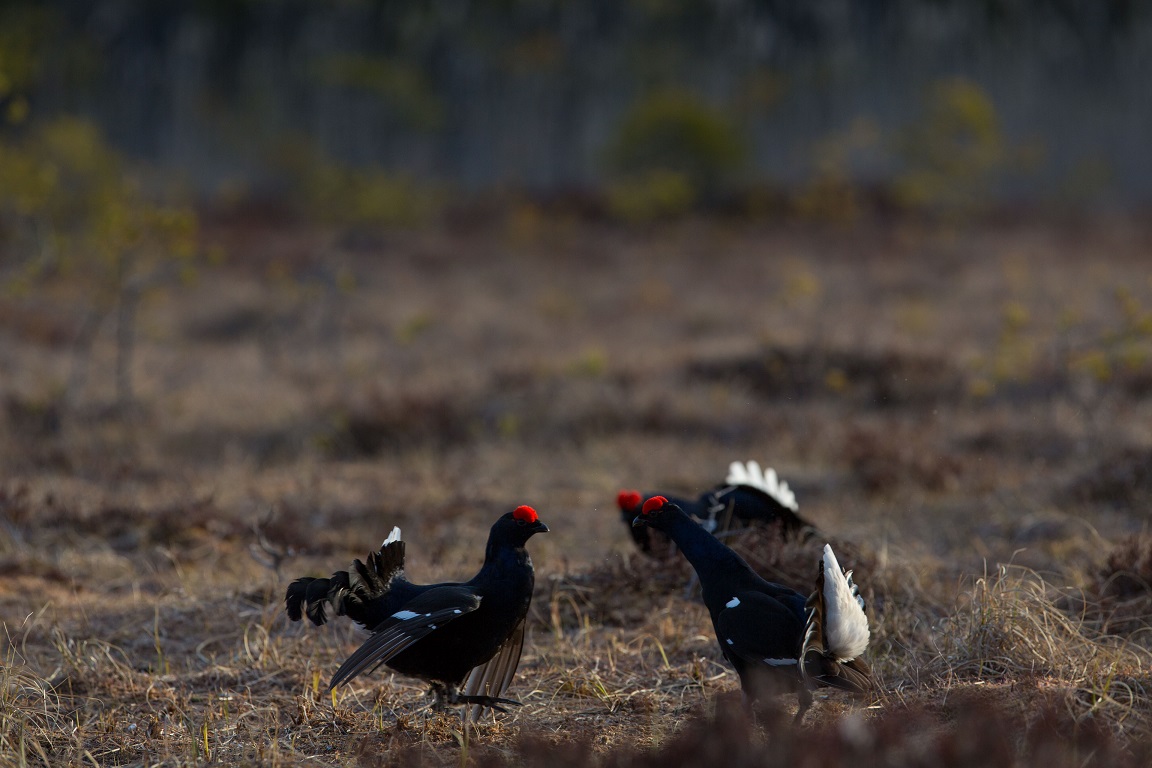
[778, 640]
[747, 495]
[463, 638]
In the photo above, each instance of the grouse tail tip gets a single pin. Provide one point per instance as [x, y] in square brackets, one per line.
[349, 593]
[307, 596]
[846, 630]
[750, 474]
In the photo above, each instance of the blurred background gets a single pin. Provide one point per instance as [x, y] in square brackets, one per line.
[273, 232]
[384, 111]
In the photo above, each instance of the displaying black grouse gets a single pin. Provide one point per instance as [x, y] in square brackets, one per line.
[463, 638]
[778, 640]
[747, 495]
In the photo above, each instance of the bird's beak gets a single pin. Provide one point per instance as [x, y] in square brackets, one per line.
[639, 521]
[539, 527]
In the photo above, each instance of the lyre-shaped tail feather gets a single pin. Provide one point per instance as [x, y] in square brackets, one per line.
[493, 677]
[308, 596]
[348, 592]
[750, 474]
[836, 633]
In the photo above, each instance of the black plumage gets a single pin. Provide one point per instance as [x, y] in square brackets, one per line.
[463, 638]
[748, 496]
[778, 639]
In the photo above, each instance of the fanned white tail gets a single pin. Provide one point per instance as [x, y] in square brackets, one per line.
[392, 537]
[846, 631]
[750, 474]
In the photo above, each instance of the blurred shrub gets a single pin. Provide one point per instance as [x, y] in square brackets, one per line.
[1119, 594]
[1014, 358]
[833, 194]
[592, 363]
[379, 422]
[878, 378]
[1122, 479]
[651, 195]
[69, 210]
[883, 461]
[955, 152]
[1127, 571]
[829, 196]
[337, 194]
[671, 149]
[1116, 356]
[1081, 360]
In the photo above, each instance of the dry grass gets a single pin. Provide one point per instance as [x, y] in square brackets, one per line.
[981, 478]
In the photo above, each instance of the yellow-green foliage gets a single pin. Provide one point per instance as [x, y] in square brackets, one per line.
[831, 194]
[651, 195]
[671, 147]
[800, 287]
[1122, 349]
[1015, 354]
[1078, 349]
[592, 363]
[338, 194]
[68, 207]
[955, 151]
[415, 326]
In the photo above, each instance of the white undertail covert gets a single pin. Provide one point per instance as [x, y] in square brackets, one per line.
[751, 475]
[845, 624]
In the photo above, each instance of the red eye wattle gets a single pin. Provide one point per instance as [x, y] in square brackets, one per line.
[525, 514]
[653, 504]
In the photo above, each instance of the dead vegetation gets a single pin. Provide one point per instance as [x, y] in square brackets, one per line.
[983, 475]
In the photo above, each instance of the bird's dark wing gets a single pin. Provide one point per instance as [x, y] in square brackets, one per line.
[418, 618]
[760, 630]
[750, 475]
[752, 494]
[493, 677]
[749, 504]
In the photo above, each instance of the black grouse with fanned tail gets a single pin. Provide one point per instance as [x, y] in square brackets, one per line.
[463, 638]
[748, 495]
[778, 640]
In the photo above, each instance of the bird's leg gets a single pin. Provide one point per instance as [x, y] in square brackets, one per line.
[488, 701]
[443, 697]
[454, 697]
[804, 700]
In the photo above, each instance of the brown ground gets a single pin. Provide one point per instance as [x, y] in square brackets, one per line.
[967, 413]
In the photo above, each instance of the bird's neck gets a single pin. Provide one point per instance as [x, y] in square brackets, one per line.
[502, 559]
[703, 550]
